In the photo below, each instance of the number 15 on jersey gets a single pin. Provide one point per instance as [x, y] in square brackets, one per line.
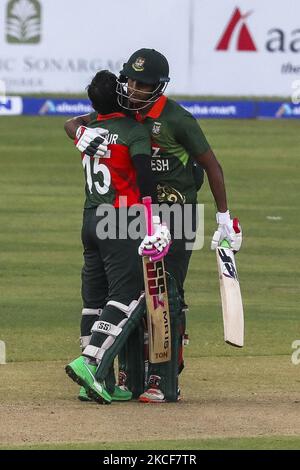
[97, 174]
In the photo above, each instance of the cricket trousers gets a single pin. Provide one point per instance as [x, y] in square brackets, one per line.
[112, 268]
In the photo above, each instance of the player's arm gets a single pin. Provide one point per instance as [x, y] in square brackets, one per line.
[145, 177]
[71, 125]
[157, 244]
[190, 135]
[227, 228]
[215, 178]
[140, 150]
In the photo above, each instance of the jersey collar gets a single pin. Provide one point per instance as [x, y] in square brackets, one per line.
[155, 111]
[105, 117]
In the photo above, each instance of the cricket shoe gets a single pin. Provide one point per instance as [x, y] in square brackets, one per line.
[82, 396]
[152, 395]
[83, 373]
[119, 394]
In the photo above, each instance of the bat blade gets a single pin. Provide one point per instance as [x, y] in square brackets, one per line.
[158, 316]
[232, 305]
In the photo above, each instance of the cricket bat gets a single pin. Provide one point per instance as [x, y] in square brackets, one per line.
[158, 315]
[232, 305]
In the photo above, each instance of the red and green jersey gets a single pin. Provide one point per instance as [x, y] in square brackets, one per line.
[113, 176]
[176, 139]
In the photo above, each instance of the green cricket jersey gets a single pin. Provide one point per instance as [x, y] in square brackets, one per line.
[112, 178]
[176, 139]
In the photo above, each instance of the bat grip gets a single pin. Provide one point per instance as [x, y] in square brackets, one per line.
[225, 243]
[147, 202]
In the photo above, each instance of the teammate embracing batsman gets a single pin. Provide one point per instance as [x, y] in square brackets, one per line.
[177, 143]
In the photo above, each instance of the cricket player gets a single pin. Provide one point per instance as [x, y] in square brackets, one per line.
[117, 174]
[177, 143]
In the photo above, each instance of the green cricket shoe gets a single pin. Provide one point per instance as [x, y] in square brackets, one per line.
[118, 395]
[82, 396]
[83, 373]
[121, 394]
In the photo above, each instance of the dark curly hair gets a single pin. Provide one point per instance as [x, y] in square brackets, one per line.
[102, 92]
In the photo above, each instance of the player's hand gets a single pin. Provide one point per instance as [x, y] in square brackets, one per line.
[92, 142]
[156, 246]
[229, 230]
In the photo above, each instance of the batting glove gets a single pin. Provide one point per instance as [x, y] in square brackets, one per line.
[156, 246]
[229, 230]
[91, 142]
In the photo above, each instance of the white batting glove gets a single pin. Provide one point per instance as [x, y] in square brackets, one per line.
[92, 142]
[156, 246]
[229, 230]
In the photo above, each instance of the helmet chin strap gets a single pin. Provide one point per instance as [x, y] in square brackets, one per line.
[125, 92]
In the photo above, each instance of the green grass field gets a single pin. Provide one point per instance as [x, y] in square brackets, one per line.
[41, 256]
[280, 442]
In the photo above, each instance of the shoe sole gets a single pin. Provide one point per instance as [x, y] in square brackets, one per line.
[148, 400]
[95, 397]
[84, 398]
[90, 392]
[121, 399]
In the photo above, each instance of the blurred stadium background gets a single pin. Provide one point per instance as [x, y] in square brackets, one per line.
[234, 65]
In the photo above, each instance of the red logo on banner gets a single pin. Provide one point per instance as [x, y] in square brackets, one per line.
[244, 39]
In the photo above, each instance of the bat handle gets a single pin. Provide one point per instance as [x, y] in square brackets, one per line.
[147, 202]
[225, 244]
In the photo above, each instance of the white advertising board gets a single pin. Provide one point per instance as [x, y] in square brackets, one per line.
[217, 47]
